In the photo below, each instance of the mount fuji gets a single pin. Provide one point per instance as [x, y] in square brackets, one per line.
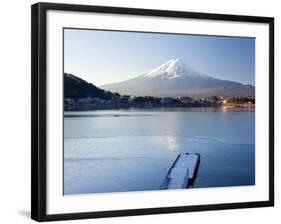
[176, 78]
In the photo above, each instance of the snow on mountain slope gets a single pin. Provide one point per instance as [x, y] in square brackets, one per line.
[172, 69]
[176, 78]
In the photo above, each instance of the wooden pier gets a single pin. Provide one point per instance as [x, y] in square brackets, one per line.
[183, 172]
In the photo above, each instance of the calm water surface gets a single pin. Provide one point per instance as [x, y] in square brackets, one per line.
[132, 150]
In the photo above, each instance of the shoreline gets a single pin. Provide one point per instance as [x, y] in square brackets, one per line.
[213, 108]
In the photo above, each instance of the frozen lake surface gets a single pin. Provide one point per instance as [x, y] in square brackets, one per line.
[132, 150]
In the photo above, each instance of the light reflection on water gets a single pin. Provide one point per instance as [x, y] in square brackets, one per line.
[134, 150]
[171, 142]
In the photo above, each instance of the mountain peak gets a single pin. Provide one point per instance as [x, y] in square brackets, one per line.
[174, 68]
[174, 61]
[176, 78]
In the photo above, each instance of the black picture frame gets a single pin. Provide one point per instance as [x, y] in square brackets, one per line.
[39, 107]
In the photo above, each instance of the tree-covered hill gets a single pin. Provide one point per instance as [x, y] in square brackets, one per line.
[75, 88]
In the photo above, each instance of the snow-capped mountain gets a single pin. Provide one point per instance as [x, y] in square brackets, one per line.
[176, 78]
[172, 69]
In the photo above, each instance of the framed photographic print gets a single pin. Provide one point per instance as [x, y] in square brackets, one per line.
[139, 111]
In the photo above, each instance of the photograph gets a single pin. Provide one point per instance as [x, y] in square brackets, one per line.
[148, 111]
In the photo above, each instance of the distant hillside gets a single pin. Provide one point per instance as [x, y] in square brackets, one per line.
[176, 78]
[75, 88]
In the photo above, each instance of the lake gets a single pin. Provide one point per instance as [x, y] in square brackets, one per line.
[132, 150]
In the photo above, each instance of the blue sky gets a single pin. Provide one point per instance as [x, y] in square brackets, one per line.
[102, 57]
